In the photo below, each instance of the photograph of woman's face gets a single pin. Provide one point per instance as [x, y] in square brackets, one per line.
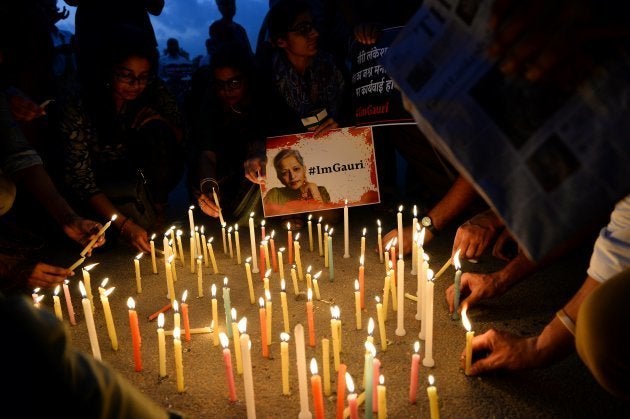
[292, 174]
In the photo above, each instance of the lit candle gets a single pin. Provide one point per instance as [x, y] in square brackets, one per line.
[386, 255]
[280, 263]
[248, 378]
[381, 324]
[290, 243]
[87, 282]
[316, 389]
[89, 321]
[223, 236]
[170, 286]
[399, 220]
[262, 314]
[153, 260]
[161, 345]
[326, 365]
[326, 246]
[109, 319]
[227, 360]
[296, 289]
[274, 258]
[237, 347]
[319, 236]
[248, 273]
[386, 287]
[363, 244]
[230, 247]
[370, 352]
[238, 245]
[392, 256]
[341, 389]
[191, 220]
[379, 233]
[226, 305]
[456, 285]
[76, 264]
[180, 247]
[216, 202]
[414, 248]
[57, 303]
[310, 318]
[335, 336]
[185, 316]
[331, 265]
[136, 263]
[204, 244]
[423, 265]
[177, 318]
[92, 242]
[338, 327]
[252, 241]
[370, 330]
[309, 223]
[298, 257]
[285, 308]
[346, 231]
[361, 282]
[357, 304]
[433, 399]
[316, 285]
[376, 363]
[300, 354]
[352, 398]
[284, 356]
[269, 307]
[193, 253]
[212, 258]
[215, 315]
[135, 333]
[171, 231]
[469, 337]
[400, 283]
[263, 235]
[392, 287]
[174, 262]
[199, 277]
[415, 365]
[428, 361]
[382, 398]
[37, 299]
[179, 364]
[70, 307]
[265, 248]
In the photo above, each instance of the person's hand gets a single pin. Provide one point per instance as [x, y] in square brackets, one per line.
[23, 109]
[476, 287]
[82, 231]
[505, 248]
[474, 236]
[207, 205]
[136, 236]
[255, 170]
[47, 276]
[313, 190]
[500, 350]
[367, 33]
[324, 127]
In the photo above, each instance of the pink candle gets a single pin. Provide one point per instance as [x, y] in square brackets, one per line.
[227, 360]
[66, 294]
[415, 363]
[135, 333]
[185, 317]
[362, 282]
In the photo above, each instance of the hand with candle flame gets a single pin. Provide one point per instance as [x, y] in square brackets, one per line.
[255, 170]
[47, 276]
[207, 205]
[82, 230]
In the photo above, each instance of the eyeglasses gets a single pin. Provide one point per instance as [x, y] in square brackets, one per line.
[131, 79]
[303, 28]
[230, 84]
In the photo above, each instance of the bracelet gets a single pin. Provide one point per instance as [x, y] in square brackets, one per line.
[566, 320]
[215, 184]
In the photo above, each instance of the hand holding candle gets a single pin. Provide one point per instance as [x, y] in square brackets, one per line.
[87, 249]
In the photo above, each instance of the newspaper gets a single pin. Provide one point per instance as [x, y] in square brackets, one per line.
[546, 160]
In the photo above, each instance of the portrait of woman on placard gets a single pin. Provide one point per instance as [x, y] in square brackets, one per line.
[298, 193]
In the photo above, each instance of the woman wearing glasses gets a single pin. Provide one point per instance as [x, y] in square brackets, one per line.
[122, 134]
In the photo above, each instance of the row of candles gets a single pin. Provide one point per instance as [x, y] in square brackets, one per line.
[424, 297]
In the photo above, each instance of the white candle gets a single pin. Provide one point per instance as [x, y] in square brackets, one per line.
[423, 265]
[319, 236]
[153, 260]
[456, 285]
[248, 379]
[89, 321]
[400, 230]
[136, 264]
[191, 220]
[346, 231]
[216, 202]
[161, 345]
[310, 232]
[252, 241]
[92, 242]
[414, 249]
[400, 283]
[428, 361]
[300, 353]
[379, 232]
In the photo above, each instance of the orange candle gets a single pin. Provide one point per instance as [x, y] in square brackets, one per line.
[341, 389]
[290, 243]
[316, 389]
[311, 319]
[185, 316]
[263, 327]
[227, 360]
[262, 260]
[274, 259]
[135, 333]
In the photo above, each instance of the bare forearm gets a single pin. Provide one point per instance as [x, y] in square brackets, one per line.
[456, 200]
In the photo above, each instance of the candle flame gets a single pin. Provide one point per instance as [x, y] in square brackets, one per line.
[289, 227]
[230, 230]
[356, 285]
[310, 216]
[281, 250]
[309, 294]
[431, 380]
[210, 240]
[139, 256]
[57, 288]
[263, 222]
[177, 333]
[378, 223]
[261, 302]
[153, 237]
[236, 227]
[233, 313]
[320, 219]
[381, 380]
[114, 217]
[349, 382]
[465, 320]
[308, 269]
[370, 327]
[314, 366]
[203, 229]
[89, 267]
[394, 241]
[39, 299]
[425, 256]
[369, 347]
[199, 258]
[82, 289]
[248, 260]
[175, 306]
[196, 229]
[364, 231]
[456, 262]
[66, 281]
[225, 281]
[213, 290]
[284, 337]
[273, 233]
[224, 340]
[415, 211]
[170, 258]
[389, 244]
[326, 229]
[282, 284]
[109, 291]
[430, 275]
[416, 346]
[242, 325]
[131, 303]
[316, 276]
[297, 237]
[184, 296]
[161, 320]
[267, 273]
[400, 208]
[190, 208]
[251, 214]
[330, 232]
[378, 300]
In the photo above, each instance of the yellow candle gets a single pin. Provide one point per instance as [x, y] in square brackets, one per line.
[265, 244]
[161, 345]
[296, 289]
[212, 259]
[238, 244]
[174, 263]
[319, 237]
[326, 365]
[57, 303]
[285, 308]
[284, 356]
[179, 365]
[357, 304]
[230, 247]
[269, 307]
[180, 247]
[215, 316]
[237, 340]
[335, 337]
[382, 398]
[316, 285]
[153, 260]
[87, 281]
[136, 264]
[433, 399]
[298, 257]
[310, 232]
[177, 318]
[192, 253]
[381, 324]
[386, 288]
[252, 240]
[326, 246]
[109, 319]
[199, 277]
[191, 220]
[280, 263]
[248, 272]
[89, 321]
[309, 278]
[169, 279]
[469, 337]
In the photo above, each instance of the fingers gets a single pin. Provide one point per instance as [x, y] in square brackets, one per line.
[207, 206]
[450, 292]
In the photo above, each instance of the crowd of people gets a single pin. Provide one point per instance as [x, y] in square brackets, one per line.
[105, 125]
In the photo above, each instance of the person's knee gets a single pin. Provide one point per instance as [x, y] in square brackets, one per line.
[600, 341]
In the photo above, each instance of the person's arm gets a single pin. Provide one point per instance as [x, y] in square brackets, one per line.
[207, 170]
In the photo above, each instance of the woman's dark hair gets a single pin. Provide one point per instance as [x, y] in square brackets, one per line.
[283, 154]
[235, 57]
[282, 15]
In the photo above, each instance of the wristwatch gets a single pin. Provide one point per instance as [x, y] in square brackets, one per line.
[427, 223]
